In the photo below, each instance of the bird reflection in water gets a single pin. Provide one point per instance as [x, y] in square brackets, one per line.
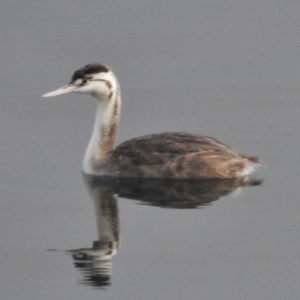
[95, 263]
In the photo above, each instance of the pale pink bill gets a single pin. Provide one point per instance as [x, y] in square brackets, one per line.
[64, 90]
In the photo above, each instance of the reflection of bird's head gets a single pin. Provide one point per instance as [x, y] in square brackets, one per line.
[101, 251]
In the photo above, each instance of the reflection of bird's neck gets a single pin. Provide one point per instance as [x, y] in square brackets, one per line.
[106, 208]
[104, 131]
[107, 215]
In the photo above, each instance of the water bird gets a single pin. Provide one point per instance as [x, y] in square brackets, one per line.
[176, 155]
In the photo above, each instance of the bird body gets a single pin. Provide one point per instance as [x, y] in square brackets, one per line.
[166, 155]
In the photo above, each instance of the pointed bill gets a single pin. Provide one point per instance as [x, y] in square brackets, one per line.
[64, 90]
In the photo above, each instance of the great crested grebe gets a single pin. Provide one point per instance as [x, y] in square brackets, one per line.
[165, 155]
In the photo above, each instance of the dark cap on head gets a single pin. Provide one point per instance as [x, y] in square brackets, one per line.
[89, 70]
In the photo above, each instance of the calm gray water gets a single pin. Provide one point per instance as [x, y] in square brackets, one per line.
[228, 69]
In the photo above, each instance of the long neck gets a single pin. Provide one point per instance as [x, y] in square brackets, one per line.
[104, 132]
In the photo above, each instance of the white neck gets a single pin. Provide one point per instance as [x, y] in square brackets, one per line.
[104, 132]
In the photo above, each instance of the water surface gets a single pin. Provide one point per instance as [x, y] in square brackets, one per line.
[224, 69]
